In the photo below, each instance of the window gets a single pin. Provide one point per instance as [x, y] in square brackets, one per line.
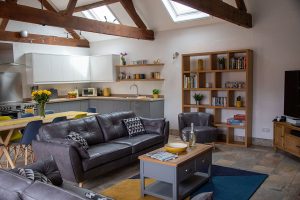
[180, 12]
[101, 13]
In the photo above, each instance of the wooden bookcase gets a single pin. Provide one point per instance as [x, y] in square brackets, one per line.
[210, 71]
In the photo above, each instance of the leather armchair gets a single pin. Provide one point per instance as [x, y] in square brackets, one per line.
[203, 128]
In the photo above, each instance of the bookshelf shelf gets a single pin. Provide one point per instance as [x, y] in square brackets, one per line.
[217, 68]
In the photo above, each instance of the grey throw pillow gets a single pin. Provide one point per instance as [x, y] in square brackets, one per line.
[203, 196]
[134, 126]
[33, 175]
[78, 138]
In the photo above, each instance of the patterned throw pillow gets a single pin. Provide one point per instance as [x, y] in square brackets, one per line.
[78, 138]
[134, 126]
[33, 175]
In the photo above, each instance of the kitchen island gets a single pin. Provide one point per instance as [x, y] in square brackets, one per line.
[142, 106]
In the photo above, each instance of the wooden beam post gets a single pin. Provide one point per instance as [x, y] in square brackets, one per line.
[3, 24]
[95, 5]
[221, 10]
[70, 7]
[72, 3]
[129, 7]
[241, 5]
[42, 39]
[44, 17]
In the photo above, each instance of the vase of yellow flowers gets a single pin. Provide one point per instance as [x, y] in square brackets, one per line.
[41, 97]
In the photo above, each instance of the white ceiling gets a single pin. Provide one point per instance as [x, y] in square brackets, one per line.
[152, 12]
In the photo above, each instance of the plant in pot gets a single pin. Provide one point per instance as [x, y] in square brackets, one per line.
[198, 98]
[155, 93]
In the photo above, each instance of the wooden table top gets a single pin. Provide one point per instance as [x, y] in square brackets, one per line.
[191, 153]
[22, 122]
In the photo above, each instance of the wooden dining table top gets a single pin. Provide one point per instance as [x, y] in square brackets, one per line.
[22, 122]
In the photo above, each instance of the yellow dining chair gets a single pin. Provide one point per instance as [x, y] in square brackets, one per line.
[17, 135]
[80, 116]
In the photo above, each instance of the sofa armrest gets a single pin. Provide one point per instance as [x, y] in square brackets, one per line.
[66, 156]
[157, 126]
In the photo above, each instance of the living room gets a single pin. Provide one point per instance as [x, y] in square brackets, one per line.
[229, 65]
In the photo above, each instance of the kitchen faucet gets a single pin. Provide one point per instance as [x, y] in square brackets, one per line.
[137, 89]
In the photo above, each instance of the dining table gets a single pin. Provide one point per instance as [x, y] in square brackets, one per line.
[17, 124]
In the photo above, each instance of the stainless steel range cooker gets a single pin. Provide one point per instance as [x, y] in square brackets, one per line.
[15, 110]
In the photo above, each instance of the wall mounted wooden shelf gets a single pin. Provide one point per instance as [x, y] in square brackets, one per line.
[141, 80]
[142, 65]
[209, 68]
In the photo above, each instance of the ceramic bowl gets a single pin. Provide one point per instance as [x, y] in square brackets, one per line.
[176, 147]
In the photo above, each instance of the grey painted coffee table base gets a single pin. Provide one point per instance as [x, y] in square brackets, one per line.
[175, 182]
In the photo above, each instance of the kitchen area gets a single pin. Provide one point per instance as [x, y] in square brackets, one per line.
[77, 82]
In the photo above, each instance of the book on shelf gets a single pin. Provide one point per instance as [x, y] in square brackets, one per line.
[232, 121]
[190, 81]
[240, 117]
[238, 63]
[219, 101]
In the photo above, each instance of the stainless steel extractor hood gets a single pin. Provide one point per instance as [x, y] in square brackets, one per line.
[7, 54]
[10, 87]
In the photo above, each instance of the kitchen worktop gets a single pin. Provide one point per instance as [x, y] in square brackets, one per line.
[116, 98]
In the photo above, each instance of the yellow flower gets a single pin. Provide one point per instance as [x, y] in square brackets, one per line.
[40, 92]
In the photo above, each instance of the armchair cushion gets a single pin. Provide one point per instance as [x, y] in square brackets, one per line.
[204, 134]
[140, 142]
[155, 126]
[104, 153]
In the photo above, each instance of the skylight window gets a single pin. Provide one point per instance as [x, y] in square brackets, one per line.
[101, 13]
[180, 12]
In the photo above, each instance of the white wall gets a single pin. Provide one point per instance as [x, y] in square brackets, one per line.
[275, 39]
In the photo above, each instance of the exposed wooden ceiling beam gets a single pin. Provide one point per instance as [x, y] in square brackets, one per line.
[220, 9]
[241, 5]
[129, 7]
[70, 7]
[95, 5]
[44, 17]
[49, 7]
[3, 24]
[42, 39]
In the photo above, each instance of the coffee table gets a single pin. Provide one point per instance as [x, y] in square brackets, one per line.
[178, 178]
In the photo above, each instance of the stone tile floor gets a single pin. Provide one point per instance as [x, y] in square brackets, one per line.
[283, 182]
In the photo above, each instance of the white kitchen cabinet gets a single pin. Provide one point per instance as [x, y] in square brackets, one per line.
[103, 68]
[46, 68]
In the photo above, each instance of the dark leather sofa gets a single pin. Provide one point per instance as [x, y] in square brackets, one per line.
[110, 147]
[16, 187]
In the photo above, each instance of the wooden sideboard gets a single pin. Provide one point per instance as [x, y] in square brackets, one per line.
[284, 140]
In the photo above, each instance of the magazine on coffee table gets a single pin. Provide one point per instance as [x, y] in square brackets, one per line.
[162, 155]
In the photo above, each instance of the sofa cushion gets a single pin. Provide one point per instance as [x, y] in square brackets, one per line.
[134, 126]
[47, 167]
[39, 190]
[88, 128]
[112, 125]
[13, 182]
[104, 153]
[33, 175]
[140, 142]
[5, 193]
[78, 138]
[154, 125]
